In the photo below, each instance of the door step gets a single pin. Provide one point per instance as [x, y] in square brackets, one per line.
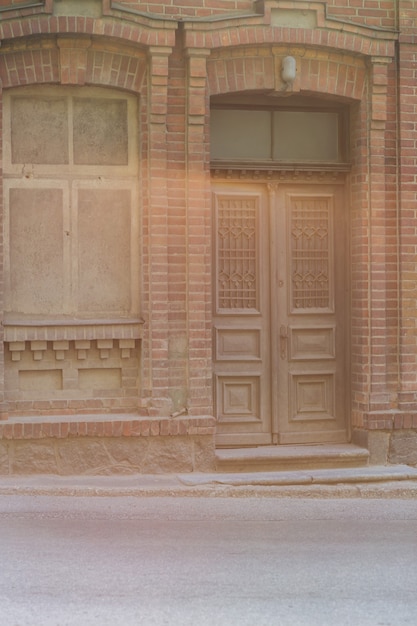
[281, 458]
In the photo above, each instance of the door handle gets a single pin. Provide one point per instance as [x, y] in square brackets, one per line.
[283, 336]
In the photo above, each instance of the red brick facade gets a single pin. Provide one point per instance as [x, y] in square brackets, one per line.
[174, 59]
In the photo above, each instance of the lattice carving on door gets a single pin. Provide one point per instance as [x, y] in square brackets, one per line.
[237, 227]
[310, 253]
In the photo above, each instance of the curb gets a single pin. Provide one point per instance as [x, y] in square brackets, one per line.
[385, 490]
[368, 482]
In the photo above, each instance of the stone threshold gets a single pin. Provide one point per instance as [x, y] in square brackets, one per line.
[291, 457]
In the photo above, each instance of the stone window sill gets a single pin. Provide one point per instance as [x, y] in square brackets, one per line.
[72, 330]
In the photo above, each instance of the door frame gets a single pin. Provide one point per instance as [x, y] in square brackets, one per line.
[291, 178]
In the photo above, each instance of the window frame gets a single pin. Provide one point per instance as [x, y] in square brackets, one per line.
[70, 178]
[272, 104]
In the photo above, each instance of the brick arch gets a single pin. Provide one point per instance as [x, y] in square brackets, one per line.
[79, 50]
[245, 72]
[339, 76]
[319, 72]
[25, 67]
[73, 62]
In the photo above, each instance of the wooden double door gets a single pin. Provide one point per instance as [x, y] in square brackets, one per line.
[281, 285]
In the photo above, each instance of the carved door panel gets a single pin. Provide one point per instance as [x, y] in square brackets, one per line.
[241, 322]
[279, 324]
[308, 309]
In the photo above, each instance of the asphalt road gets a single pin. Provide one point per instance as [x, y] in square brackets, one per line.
[207, 561]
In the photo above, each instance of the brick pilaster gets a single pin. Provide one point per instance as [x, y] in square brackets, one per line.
[198, 235]
[407, 99]
[157, 226]
[382, 247]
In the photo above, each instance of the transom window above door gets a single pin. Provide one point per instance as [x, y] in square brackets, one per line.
[248, 134]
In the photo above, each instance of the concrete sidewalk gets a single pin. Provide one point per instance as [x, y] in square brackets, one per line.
[399, 481]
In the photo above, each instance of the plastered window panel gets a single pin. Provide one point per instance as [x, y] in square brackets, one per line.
[104, 253]
[100, 131]
[39, 130]
[36, 250]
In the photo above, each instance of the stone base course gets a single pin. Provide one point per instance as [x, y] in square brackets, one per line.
[403, 447]
[107, 446]
[392, 447]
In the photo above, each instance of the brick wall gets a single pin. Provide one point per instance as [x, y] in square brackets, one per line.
[372, 13]
[167, 65]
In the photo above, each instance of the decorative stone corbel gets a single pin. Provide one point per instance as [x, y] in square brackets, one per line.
[82, 346]
[38, 348]
[104, 345]
[60, 347]
[126, 345]
[16, 348]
